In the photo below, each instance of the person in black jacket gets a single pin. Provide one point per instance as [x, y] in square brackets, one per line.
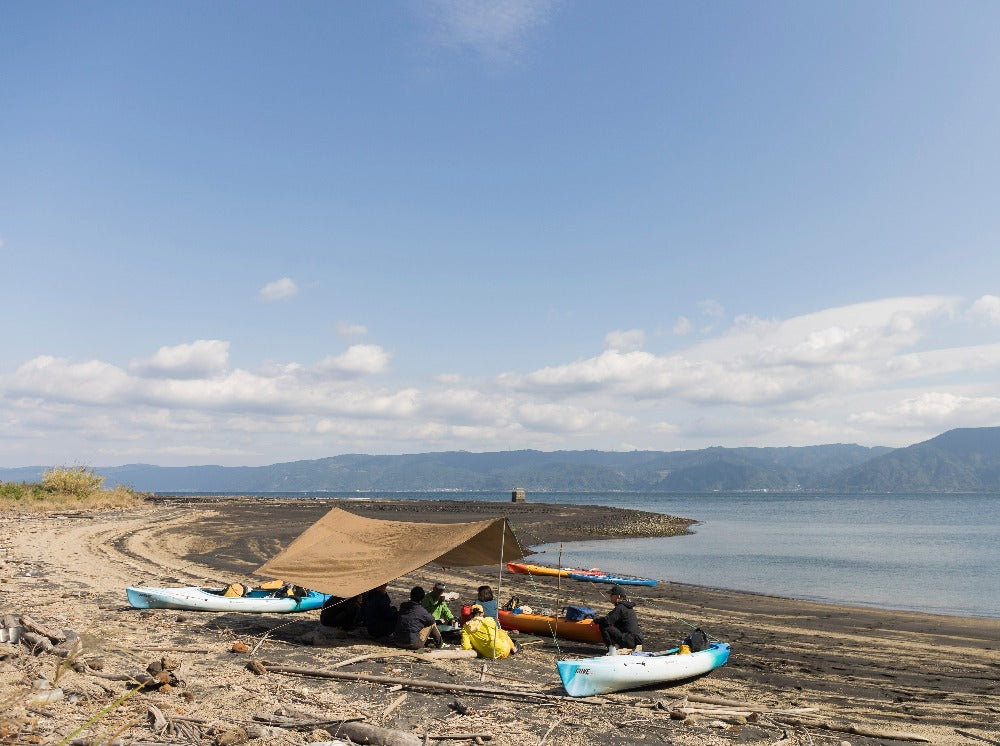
[415, 623]
[378, 615]
[342, 613]
[620, 628]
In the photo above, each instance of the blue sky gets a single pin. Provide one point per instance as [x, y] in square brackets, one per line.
[247, 232]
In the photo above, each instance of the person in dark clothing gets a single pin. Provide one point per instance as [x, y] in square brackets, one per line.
[342, 613]
[620, 628]
[378, 615]
[415, 624]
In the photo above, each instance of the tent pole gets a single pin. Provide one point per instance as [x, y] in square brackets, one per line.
[559, 582]
[503, 537]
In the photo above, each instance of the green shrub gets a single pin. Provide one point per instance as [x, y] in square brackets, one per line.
[79, 481]
[14, 490]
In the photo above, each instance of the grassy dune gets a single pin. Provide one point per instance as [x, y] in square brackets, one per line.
[67, 488]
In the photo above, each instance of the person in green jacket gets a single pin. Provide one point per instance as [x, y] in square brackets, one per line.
[434, 603]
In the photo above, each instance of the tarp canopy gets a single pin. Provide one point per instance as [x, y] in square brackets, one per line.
[345, 554]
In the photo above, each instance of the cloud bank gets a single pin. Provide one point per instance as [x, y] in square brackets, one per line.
[874, 373]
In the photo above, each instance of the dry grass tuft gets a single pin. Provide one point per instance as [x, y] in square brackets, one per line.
[62, 489]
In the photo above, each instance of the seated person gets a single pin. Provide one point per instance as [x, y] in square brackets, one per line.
[434, 603]
[485, 599]
[415, 624]
[482, 634]
[378, 615]
[342, 613]
[620, 628]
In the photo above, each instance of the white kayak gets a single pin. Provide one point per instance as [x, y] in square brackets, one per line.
[583, 677]
[212, 599]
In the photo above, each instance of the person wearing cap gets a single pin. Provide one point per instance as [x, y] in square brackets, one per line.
[415, 624]
[482, 634]
[620, 628]
[434, 603]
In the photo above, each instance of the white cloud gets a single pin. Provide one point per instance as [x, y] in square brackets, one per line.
[93, 382]
[495, 29]
[711, 308]
[204, 357]
[682, 325]
[759, 362]
[278, 290]
[987, 307]
[625, 341]
[935, 409]
[346, 329]
[358, 360]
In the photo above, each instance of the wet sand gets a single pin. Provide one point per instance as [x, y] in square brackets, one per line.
[931, 676]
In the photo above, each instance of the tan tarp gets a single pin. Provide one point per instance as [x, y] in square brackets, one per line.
[345, 554]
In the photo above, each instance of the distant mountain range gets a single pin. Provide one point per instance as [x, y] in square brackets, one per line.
[962, 460]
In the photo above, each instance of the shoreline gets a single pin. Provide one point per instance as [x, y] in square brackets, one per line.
[924, 674]
[550, 523]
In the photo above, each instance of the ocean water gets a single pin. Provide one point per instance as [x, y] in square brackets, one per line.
[932, 553]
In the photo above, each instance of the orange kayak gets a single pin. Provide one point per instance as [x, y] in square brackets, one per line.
[524, 569]
[536, 624]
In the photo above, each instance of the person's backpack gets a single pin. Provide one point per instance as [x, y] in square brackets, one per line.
[697, 641]
[578, 613]
[235, 590]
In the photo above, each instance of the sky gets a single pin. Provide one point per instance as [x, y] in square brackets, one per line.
[244, 233]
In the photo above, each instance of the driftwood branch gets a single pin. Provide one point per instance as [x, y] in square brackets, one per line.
[975, 737]
[856, 730]
[461, 737]
[374, 656]
[428, 685]
[395, 703]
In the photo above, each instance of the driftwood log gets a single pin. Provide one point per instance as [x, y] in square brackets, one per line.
[36, 643]
[32, 626]
[374, 734]
[271, 667]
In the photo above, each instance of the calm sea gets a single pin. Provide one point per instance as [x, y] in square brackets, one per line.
[933, 553]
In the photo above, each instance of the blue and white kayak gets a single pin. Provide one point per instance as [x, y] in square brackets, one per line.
[583, 677]
[592, 576]
[212, 599]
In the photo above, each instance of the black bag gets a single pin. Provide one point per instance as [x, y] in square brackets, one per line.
[697, 641]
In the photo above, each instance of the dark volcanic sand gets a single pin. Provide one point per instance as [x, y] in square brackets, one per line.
[931, 675]
[909, 667]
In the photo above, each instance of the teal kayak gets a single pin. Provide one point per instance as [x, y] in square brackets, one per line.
[212, 599]
[583, 677]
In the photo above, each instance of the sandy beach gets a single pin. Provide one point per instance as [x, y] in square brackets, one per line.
[831, 668]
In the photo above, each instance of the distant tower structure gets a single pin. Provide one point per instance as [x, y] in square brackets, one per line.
[517, 496]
